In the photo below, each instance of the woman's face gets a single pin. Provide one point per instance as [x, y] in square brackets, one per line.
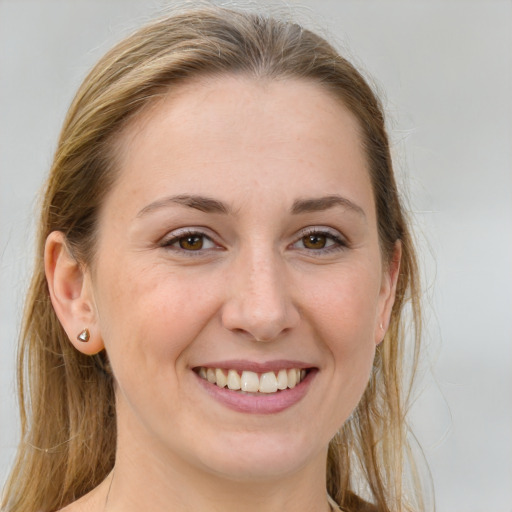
[239, 248]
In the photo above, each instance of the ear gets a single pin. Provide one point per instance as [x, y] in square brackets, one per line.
[388, 292]
[71, 294]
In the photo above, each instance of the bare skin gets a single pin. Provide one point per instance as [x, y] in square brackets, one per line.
[242, 231]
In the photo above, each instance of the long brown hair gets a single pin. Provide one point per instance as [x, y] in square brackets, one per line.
[67, 401]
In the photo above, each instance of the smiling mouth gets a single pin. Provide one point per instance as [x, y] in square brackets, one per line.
[252, 382]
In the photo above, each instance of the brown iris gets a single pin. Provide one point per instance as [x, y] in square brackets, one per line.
[314, 241]
[191, 242]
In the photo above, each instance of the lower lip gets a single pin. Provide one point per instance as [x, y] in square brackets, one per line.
[259, 403]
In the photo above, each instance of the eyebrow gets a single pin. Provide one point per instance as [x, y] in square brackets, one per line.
[209, 205]
[325, 203]
[204, 204]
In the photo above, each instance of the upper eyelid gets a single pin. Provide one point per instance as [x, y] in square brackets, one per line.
[181, 232]
[340, 241]
[324, 230]
[173, 237]
[320, 229]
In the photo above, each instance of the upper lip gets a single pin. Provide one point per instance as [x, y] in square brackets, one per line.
[267, 366]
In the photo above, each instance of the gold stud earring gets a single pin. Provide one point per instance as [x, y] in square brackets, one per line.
[84, 336]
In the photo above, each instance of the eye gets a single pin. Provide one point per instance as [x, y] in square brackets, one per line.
[315, 241]
[191, 242]
[188, 241]
[320, 240]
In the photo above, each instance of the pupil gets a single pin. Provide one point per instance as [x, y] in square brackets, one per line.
[191, 243]
[314, 241]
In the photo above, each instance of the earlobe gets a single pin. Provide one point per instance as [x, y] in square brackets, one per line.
[388, 292]
[70, 290]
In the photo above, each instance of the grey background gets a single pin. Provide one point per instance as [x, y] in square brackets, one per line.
[445, 70]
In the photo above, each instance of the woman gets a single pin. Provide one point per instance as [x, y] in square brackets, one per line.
[216, 313]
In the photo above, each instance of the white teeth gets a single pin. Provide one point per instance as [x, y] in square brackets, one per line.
[210, 375]
[268, 383]
[282, 379]
[252, 382]
[249, 381]
[222, 380]
[233, 380]
[292, 378]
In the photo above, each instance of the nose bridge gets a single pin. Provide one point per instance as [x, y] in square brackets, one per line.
[260, 304]
[264, 286]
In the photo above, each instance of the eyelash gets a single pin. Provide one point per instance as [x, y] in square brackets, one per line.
[338, 245]
[182, 235]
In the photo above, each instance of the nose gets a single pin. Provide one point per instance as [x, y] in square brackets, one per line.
[259, 304]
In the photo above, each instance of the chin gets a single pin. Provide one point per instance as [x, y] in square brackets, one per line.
[260, 457]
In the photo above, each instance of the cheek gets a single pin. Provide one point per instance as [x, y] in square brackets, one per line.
[346, 301]
[343, 311]
[149, 318]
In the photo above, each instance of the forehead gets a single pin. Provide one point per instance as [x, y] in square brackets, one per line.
[235, 134]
